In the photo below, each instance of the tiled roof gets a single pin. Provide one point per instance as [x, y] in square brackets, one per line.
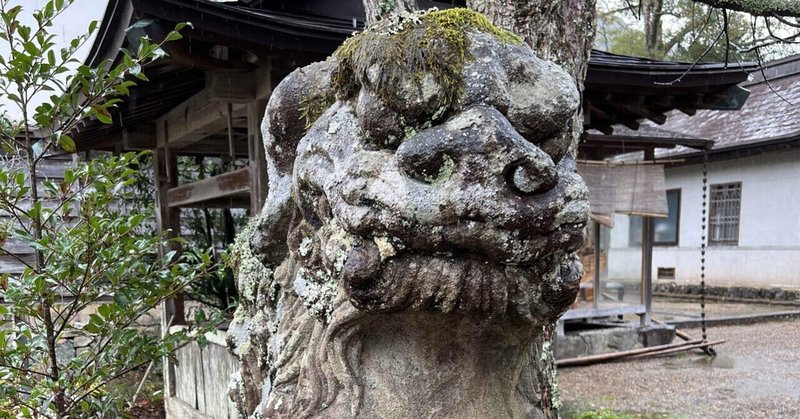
[769, 115]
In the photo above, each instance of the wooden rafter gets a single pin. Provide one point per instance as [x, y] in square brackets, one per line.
[232, 186]
[200, 116]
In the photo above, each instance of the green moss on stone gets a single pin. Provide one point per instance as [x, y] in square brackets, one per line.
[312, 107]
[431, 42]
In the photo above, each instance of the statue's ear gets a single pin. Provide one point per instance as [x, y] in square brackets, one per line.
[293, 108]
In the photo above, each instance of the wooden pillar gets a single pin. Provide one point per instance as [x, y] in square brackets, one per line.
[648, 230]
[597, 254]
[165, 167]
[165, 174]
[258, 161]
[647, 269]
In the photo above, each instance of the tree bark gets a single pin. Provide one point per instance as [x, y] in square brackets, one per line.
[786, 8]
[560, 31]
[563, 32]
[651, 14]
[379, 9]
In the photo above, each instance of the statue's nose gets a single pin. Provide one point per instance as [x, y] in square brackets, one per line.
[532, 175]
[482, 147]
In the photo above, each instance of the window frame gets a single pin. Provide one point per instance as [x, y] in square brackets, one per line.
[712, 206]
[677, 240]
[635, 228]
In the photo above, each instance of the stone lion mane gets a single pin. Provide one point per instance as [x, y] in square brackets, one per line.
[416, 224]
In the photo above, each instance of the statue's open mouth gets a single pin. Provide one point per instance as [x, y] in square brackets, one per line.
[443, 276]
[468, 284]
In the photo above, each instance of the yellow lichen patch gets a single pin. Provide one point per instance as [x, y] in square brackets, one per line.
[408, 47]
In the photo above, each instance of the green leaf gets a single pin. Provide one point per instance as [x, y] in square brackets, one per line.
[92, 328]
[31, 48]
[174, 36]
[25, 32]
[20, 179]
[67, 143]
[102, 114]
[105, 310]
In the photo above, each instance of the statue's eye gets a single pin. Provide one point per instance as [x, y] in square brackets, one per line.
[382, 126]
[557, 144]
[426, 168]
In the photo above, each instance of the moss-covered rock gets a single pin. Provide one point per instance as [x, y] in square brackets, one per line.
[413, 61]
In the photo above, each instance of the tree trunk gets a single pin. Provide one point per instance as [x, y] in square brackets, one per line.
[563, 32]
[651, 14]
[378, 9]
[560, 31]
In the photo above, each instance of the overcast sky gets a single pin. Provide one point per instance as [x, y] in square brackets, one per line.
[73, 22]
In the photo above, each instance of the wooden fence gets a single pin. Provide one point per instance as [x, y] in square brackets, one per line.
[201, 381]
[51, 168]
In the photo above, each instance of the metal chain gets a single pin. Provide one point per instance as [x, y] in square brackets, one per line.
[703, 247]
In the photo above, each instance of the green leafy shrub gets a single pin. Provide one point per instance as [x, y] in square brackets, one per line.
[94, 272]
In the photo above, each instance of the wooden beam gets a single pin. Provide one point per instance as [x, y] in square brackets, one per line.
[142, 137]
[193, 120]
[264, 82]
[216, 146]
[634, 125]
[640, 111]
[231, 185]
[231, 86]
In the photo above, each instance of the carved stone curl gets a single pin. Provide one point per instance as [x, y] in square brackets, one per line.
[419, 234]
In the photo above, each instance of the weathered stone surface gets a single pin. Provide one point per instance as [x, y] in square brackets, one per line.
[415, 247]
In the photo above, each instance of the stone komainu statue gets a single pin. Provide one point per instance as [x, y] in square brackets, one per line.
[419, 233]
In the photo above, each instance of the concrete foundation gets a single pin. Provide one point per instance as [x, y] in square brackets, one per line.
[598, 341]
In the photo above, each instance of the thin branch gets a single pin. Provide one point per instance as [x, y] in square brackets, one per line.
[787, 40]
[5, 252]
[694, 64]
[766, 80]
[785, 21]
[725, 28]
[24, 370]
[774, 41]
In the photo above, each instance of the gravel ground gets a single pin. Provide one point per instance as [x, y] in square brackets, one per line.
[755, 375]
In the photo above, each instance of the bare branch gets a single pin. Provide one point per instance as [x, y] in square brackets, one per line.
[785, 21]
[694, 64]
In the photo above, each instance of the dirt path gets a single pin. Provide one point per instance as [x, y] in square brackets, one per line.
[756, 375]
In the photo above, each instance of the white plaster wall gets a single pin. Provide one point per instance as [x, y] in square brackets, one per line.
[768, 253]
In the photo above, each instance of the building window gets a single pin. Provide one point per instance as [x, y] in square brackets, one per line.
[665, 229]
[723, 228]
